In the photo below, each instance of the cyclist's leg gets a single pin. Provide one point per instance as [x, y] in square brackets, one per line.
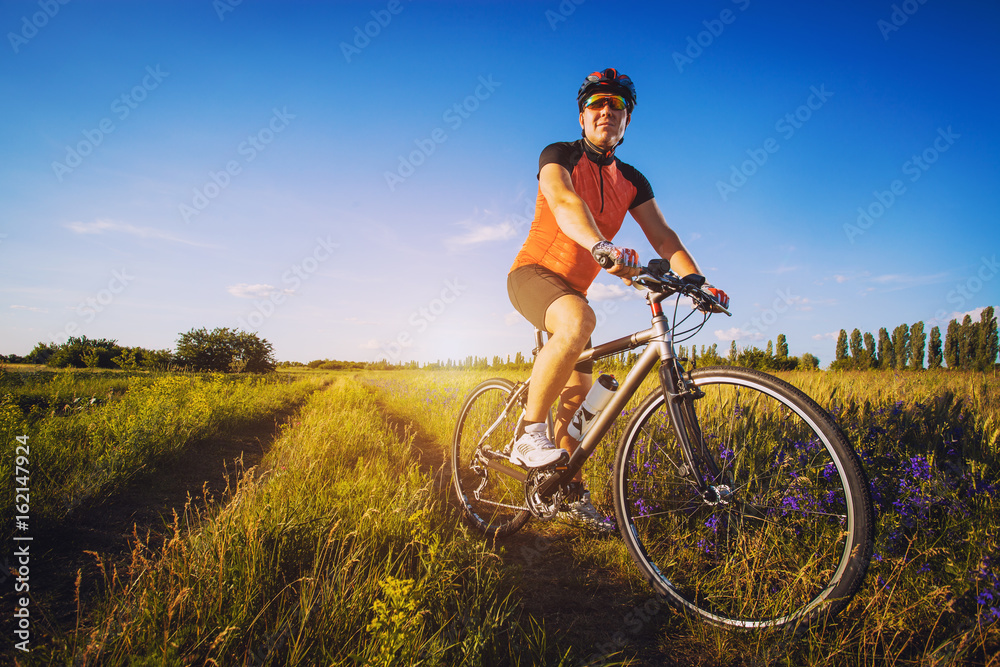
[569, 400]
[570, 321]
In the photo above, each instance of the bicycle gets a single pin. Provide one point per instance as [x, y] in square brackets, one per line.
[737, 496]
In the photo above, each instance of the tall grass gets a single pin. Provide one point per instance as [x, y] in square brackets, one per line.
[930, 444]
[89, 434]
[337, 554]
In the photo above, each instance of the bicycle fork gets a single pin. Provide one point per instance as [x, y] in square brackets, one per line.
[680, 395]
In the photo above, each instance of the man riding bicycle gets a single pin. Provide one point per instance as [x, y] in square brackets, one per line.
[584, 192]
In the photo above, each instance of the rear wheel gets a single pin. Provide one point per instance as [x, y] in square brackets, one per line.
[784, 533]
[491, 500]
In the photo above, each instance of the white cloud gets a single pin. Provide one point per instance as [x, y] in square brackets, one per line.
[890, 282]
[29, 308]
[833, 335]
[736, 333]
[605, 292]
[374, 344]
[975, 314]
[109, 226]
[259, 291]
[478, 233]
[778, 270]
[513, 318]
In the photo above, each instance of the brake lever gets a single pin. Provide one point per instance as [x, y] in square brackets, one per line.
[709, 300]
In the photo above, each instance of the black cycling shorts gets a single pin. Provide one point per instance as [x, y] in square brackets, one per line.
[532, 289]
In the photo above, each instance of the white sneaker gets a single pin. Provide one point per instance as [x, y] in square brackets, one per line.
[534, 449]
[581, 511]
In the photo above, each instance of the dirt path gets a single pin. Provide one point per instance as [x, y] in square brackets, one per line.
[144, 507]
[592, 610]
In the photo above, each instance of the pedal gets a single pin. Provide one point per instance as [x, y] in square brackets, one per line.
[560, 465]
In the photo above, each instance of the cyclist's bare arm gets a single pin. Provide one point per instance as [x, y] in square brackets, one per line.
[571, 212]
[666, 242]
[664, 239]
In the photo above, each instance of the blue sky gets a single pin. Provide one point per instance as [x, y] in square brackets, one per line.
[352, 180]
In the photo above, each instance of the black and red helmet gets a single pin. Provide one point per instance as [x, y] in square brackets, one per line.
[607, 81]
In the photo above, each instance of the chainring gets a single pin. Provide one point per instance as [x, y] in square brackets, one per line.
[542, 508]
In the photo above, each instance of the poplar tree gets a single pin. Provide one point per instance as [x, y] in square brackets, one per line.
[782, 347]
[934, 349]
[857, 349]
[841, 353]
[885, 353]
[918, 341]
[901, 346]
[871, 360]
[988, 339]
[951, 345]
[966, 343]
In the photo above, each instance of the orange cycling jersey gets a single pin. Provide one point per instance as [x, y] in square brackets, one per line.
[608, 187]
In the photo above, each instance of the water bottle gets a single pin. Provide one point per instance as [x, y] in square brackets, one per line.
[597, 399]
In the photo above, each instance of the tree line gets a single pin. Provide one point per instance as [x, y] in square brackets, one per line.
[969, 345]
[221, 350]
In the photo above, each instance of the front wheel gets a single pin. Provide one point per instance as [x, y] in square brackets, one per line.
[491, 500]
[784, 532]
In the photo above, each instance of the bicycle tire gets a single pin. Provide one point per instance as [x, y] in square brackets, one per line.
[792, 541]
[491, 501]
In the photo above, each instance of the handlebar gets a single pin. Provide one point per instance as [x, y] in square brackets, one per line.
[657, 277]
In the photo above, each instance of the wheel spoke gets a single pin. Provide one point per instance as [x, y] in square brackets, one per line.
[776, 539]
[492, 501]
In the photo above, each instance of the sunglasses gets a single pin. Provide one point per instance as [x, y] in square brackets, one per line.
[597, 102]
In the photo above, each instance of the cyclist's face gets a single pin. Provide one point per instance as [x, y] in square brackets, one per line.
[604, 126]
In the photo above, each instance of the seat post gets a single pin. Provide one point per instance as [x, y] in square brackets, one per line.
[539, 342]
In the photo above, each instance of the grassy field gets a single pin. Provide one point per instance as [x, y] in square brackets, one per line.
[89, 433]
[339, 553]
[930, 443]
[341, 550]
